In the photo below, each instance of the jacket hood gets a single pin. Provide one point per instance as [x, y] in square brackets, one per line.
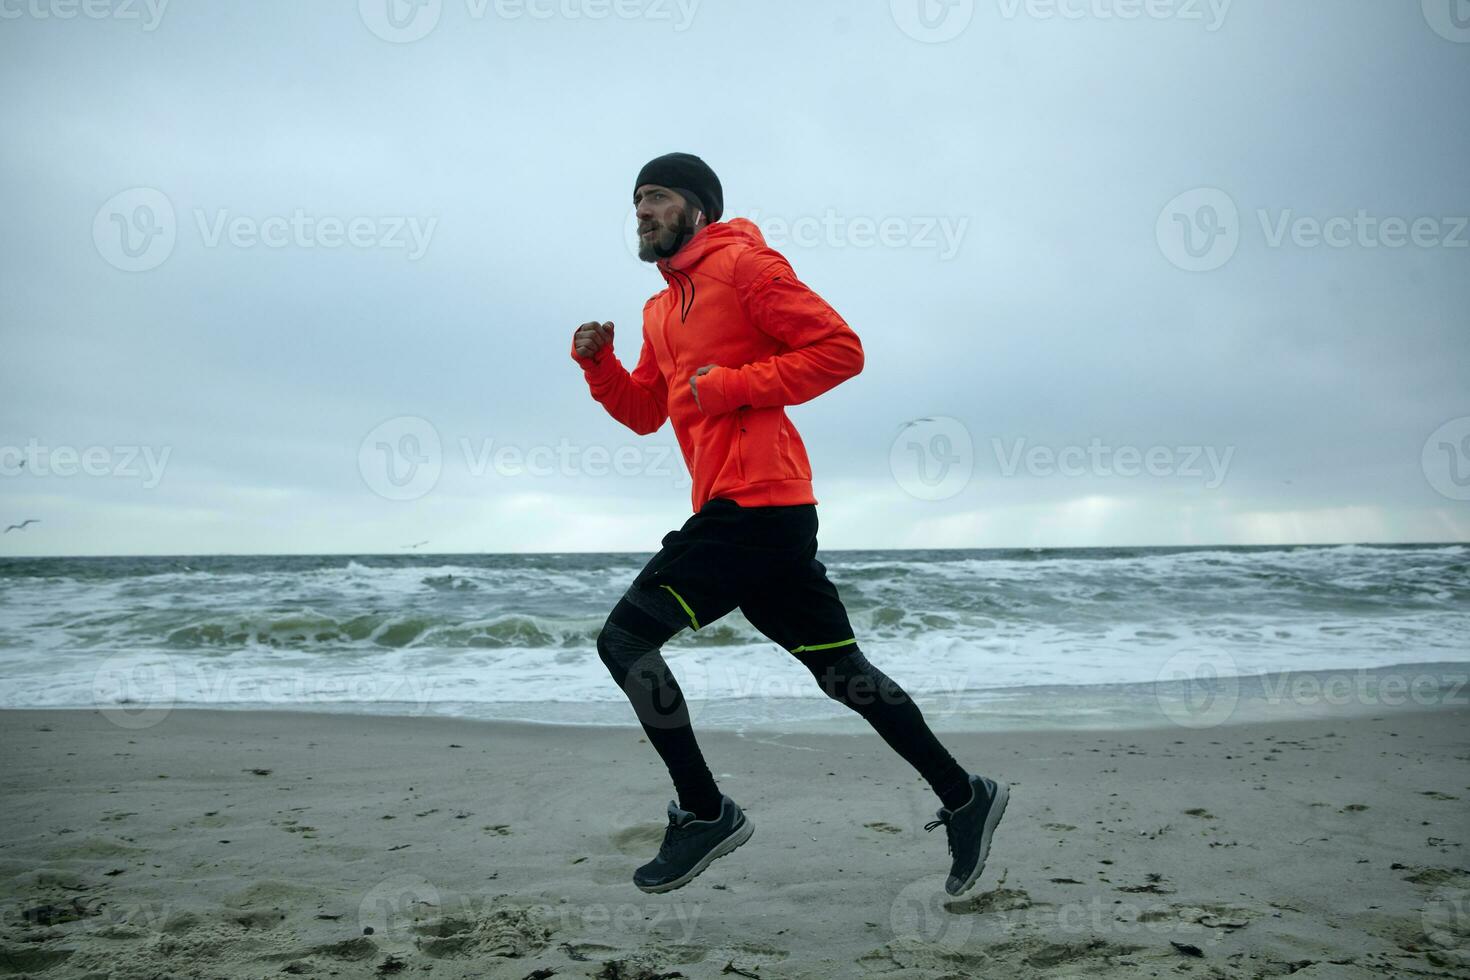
[709, 239]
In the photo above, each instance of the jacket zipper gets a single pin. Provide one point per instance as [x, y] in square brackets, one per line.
[740, 443]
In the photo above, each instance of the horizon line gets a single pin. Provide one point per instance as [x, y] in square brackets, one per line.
[437, 554]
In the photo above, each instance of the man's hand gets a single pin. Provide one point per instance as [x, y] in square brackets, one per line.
[591, 337]
[694, 387]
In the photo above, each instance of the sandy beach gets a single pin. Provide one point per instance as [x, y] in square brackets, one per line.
[240, 844]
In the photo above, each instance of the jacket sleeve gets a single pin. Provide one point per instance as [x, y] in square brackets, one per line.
[820, 350]
[639, 400]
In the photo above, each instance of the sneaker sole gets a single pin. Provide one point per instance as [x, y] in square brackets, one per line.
[997, 810]
[737, 837]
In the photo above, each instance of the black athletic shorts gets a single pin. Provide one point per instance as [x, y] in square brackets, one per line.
[760, 559]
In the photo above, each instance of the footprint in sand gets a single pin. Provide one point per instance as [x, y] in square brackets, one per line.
[19, 959]
[499, 931]
[638, 839]
[1436, 876]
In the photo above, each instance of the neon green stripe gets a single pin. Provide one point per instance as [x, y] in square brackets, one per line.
[826, 646]
[685, 605]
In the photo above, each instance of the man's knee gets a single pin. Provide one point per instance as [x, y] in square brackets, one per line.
[627, 637]
[852, 680]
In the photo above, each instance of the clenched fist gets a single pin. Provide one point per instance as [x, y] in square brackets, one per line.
[591, 338]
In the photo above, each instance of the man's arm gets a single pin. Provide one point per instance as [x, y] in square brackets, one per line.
[639, 400]
[824, 350]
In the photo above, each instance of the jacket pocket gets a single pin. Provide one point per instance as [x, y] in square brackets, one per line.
[764, 449]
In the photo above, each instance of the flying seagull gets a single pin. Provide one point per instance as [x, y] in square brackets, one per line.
[915, 422]
[419, 545]
[22, 525]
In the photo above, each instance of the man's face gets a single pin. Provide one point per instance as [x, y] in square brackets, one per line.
[663, 218]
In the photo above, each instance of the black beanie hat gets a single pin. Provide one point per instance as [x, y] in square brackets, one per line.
[690, 177]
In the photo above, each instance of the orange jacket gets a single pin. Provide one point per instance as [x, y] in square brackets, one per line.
[731, 301]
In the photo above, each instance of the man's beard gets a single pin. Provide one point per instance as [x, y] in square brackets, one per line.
[665, 242]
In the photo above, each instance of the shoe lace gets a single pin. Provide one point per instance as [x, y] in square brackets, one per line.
[672, 833]
[943, 819]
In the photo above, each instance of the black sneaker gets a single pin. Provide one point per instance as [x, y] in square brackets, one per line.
[970, 829]
[690, 845]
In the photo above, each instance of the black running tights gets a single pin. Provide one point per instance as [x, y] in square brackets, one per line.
[629, 645]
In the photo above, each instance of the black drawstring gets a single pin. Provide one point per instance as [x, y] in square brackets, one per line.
[684, 307]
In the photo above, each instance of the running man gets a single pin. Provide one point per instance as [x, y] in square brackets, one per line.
[733, 339]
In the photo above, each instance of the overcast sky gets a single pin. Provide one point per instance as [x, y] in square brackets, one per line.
[289, 277]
